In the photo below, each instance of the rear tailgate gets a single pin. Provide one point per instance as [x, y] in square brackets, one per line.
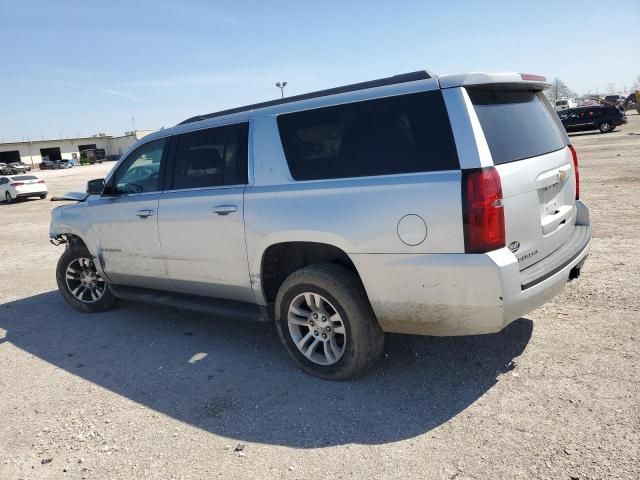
[529, 149]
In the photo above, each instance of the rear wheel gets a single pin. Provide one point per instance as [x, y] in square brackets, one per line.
[79, 282]
[43, 196]
[324, 320]
[8, 197]
[605, 127]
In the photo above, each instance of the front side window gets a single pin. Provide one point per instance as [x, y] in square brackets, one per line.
[212, 157]
[140, 172]
[402, 134]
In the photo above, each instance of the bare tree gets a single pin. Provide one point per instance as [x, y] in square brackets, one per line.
[558, 90]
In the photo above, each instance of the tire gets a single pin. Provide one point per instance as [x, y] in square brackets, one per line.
[8, 198]
[43, 196]
[76, 258]
[605, 127]
[341, 355]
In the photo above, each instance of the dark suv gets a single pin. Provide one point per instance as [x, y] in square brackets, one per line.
[595, 117]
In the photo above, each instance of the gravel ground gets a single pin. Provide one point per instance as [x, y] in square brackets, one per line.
[146, 392]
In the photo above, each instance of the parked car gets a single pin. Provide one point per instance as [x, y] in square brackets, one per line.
[615, 100]
[49, 165]
[4, 169]
[64, 163]
[14, 187]
[565, 103]
[412, 204]
[16, 168]
[598, 117]
[55, 164]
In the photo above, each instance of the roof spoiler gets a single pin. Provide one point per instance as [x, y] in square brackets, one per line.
[537, 82]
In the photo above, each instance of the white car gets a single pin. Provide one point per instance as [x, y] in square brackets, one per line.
[565, 104]
[13, 187]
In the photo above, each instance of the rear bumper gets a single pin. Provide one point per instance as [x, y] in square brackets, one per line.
[465, 294]
[30, 194]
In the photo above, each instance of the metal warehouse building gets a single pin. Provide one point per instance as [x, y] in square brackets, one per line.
[31, 152]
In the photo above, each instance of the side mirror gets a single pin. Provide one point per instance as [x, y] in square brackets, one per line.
[95, 187]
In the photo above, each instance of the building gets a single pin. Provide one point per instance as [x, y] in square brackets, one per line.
[32, 152]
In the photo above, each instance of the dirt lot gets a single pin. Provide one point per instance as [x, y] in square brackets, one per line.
[145, 392]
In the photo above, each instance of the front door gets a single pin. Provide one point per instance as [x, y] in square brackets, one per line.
[125, 220]
[201, 215]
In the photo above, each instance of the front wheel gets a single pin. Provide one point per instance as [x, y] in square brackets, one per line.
[605, 127]
[43, 196]
[8, 197]
[79, 282]
[325, 322]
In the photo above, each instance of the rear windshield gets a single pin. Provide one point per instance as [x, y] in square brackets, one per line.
[24, 177]
[516, 123]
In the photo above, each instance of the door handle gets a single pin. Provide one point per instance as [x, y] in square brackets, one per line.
[144, 213]
[225, 209]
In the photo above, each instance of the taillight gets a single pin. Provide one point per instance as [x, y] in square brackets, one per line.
[574, 154]
[40, 181]
[483, 212]
[16, 184]
[532, 77]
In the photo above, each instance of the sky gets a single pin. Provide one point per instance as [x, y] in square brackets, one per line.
[70, 68]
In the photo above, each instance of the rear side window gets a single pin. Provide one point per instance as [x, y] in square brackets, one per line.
[516, 123]
[404, 134]
[212, 157]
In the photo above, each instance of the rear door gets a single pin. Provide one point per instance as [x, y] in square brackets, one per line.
[201, 215]
[529, 149]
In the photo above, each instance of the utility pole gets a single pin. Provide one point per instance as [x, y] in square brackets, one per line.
[133, 123]
[281, 86]
[31, 156]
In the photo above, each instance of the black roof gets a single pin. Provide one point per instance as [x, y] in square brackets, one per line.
[403, 78]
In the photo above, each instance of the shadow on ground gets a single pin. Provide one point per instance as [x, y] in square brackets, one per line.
[245, 388]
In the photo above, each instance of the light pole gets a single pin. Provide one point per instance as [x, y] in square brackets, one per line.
[281, 86]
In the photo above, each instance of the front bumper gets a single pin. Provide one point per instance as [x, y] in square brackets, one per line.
[463, 294]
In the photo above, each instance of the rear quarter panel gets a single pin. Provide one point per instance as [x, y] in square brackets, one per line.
[357, 215]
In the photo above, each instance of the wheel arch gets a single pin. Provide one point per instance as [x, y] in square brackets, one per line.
[279, 260]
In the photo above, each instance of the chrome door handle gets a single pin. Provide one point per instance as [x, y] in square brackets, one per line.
[225, 209]
[144, 213]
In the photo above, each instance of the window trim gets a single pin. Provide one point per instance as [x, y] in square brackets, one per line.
[170, 167]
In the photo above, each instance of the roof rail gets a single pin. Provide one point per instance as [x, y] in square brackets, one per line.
[402, 78]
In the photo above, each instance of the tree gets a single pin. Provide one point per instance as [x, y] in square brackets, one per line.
[558, 90]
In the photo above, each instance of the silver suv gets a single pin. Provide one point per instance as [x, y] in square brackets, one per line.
[411, 204]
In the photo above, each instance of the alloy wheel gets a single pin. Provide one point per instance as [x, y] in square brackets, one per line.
[83, 280]
[316, 328]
